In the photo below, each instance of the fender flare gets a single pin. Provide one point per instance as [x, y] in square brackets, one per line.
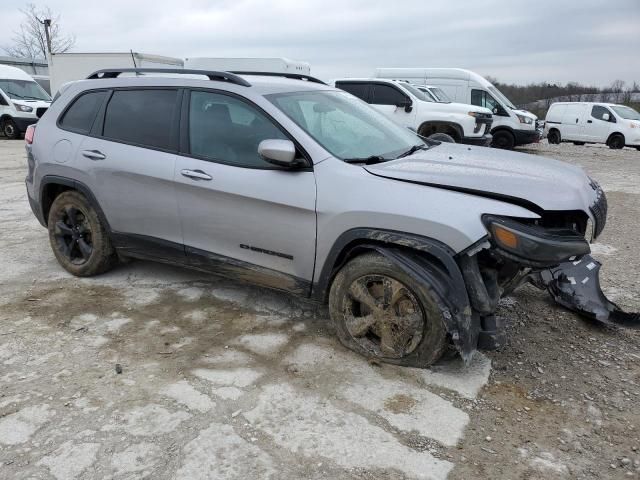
[502, 127]
[74, 185]
[427, 260]
[458, 129]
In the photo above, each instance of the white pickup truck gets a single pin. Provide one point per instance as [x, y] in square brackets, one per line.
[409, 106]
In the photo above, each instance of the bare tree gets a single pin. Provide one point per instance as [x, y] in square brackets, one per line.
[30, 40]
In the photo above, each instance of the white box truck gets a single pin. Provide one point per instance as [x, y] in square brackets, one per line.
[67, 67]
[511, 127]
[275, 65]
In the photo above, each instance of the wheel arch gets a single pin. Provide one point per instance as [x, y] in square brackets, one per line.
[52, 185]
[613, 134]
[423, 258]
[441, 126]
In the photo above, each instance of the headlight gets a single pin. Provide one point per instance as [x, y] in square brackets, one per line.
[23, 108]
[634, 125]
[532, 245]
[473, 114]
[523, 119]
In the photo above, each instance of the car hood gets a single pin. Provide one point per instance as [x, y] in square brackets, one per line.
[526, 113]
[534, 182]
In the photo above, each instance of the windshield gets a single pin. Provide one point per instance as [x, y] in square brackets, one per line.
[498, 94]
[428, 93]
[419, 94]
[23, 90]
[440, 96]
[344, 125]
[627, 113]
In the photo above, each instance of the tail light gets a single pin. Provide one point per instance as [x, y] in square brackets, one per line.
[28, 135]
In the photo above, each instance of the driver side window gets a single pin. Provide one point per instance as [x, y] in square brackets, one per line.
[483, 99]
[227, 130]
[387, 95]
[598, 112]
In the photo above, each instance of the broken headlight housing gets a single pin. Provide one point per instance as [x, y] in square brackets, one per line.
[533, 245]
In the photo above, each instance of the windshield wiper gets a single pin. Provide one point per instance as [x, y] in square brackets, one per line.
[366, 160]
[15, 94]
[413, 150]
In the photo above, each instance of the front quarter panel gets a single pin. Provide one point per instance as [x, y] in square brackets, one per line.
[349, 197]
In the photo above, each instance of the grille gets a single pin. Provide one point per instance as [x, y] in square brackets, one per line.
[599, 210]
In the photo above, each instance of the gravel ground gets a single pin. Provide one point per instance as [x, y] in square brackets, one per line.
[222, 380]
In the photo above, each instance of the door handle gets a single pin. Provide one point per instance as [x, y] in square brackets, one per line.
[94, 154]
[589, 121]
[196, 174]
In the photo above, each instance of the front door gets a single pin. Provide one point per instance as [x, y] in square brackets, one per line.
[386, 98]
[241, 215]
[598, 128]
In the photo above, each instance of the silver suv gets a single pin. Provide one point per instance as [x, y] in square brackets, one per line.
[286, 182]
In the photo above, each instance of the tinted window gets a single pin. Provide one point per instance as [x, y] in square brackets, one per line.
[597, 112]
[228, 130]
[387, 95]
[141, 117]
[82, 113]
[357, 89]
[482, 99]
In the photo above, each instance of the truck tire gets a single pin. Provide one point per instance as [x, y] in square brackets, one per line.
[553, 137]
[616, 141]
[10, 129]
[503, 139]
[441, 137]
[382, 313]
[79, 240]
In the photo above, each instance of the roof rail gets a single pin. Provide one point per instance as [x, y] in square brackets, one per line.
[213, 75]
[295, 76]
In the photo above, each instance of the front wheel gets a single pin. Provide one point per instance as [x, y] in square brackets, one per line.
[10, 129]
[503, 139]
[441, 137]
[381, 312]
[554, 137]
[79, 240]
[616, 142]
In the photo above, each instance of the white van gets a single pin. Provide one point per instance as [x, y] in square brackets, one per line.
[410, 107]
[22, 101]
[511, 127]
[273, 65]
[587, 122]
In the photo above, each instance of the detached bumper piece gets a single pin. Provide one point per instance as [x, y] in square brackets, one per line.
[576, 286]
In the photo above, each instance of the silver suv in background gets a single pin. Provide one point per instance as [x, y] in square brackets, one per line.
[286, 182]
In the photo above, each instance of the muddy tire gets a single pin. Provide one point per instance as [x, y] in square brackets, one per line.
[441, 137]
[381, 312]
[79, 240]
[616, 142]
[554, 137]
[503, 139]
[10, 129]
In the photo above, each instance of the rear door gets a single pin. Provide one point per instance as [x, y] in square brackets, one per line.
[386, 98]
[573, 122]
[241, 215]
[129, 159]
[598, 129]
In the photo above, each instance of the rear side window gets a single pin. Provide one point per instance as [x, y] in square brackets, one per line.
[80, 116]
[359, 90]
[142, 117]
[228, 130]
[387, 95]
[597, 112]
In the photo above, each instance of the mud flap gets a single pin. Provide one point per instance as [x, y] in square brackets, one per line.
[576, 286]
[448, 289]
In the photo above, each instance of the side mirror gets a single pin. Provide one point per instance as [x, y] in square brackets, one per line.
[495, 110]
[606, 117]
[407, 104]
[279, 152]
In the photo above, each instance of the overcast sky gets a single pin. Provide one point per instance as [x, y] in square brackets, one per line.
[590, 41]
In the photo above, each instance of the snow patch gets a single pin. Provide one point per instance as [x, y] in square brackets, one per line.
[70, 460]
[263, 343]
[135, 459]
[18, 427]
[150, 420]
[182, 392]
[235, 377]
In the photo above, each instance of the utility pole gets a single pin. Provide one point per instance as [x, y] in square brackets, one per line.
[47, 26]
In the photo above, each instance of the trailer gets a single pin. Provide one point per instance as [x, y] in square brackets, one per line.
[68, 67]
[275, 65]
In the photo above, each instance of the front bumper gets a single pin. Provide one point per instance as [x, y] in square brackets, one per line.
[23, 122]
[524, 137]
[483, 141]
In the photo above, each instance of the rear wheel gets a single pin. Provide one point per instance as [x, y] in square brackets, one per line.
[553, 137]
[78, 239]
[616, 141]
[10, 129]
[381, 312]
[503, 139]
[578, 143]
